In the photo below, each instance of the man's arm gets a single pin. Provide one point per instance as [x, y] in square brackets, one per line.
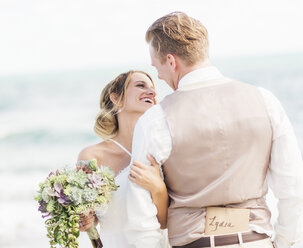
[285, 176]
[151, 136]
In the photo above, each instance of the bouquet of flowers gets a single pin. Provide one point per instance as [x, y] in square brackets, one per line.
[68, 193]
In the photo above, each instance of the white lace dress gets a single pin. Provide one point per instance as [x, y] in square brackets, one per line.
[113, 221]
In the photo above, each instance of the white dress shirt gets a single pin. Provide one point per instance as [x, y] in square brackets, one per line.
[285, 174]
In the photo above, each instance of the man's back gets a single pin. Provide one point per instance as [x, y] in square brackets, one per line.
[220, 154]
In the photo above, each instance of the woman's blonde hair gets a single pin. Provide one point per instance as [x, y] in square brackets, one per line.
[179, 34]
[106, 124]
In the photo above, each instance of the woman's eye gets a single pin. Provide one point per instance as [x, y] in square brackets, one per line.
[140, 85]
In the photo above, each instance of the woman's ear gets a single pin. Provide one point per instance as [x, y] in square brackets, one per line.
[114, 98]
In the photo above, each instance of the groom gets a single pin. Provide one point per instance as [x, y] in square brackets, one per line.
[221, 142]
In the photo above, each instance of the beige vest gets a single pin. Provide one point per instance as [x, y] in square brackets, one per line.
[221, 144]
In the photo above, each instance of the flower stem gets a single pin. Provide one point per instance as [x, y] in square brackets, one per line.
[94, 237]
[96, 243]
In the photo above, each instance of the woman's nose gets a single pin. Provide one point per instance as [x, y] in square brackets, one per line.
[151, 91]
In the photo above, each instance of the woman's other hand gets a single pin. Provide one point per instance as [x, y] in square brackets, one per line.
[148, 177]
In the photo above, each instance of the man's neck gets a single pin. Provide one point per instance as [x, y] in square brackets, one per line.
[183, 69]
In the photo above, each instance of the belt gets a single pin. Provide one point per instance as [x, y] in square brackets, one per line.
[221, 240]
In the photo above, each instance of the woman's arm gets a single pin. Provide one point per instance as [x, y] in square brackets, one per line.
[149, 177]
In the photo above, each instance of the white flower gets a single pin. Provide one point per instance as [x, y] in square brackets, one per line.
[78, 178]
[107, 172]
[89, 194]
[76, 195]
[47, 193]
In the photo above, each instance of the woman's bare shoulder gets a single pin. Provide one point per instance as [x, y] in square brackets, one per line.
[93, 151]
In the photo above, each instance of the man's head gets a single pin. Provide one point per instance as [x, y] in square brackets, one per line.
[177, 35]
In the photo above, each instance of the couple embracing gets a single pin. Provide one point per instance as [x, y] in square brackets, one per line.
[216, 142]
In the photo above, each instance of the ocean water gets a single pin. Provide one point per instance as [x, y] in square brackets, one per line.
[47, 118]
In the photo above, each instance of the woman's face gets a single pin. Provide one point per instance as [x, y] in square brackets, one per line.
[140, 94]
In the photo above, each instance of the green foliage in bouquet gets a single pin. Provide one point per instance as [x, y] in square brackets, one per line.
[66, 194]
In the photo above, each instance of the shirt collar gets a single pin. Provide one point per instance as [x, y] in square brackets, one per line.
[200, 75]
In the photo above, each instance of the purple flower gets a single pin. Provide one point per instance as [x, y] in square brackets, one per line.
[42, 207]
[50, 174]
[58, 189]
[95, 180]
[64, 200]
[59, 192]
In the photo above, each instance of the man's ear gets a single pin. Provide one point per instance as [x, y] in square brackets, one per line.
[172, 61]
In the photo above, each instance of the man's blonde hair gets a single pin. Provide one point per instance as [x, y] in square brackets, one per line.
[179, 34]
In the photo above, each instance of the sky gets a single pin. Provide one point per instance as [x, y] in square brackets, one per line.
[54, 35]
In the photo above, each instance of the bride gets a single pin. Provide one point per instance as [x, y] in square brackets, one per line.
[122, 102]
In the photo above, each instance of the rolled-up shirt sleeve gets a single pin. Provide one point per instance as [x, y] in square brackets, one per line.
[151, 135]
[285, 176]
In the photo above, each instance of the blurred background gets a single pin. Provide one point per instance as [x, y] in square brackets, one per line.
[56, 56]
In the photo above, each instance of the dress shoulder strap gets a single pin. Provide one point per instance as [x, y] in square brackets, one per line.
[121, 146]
